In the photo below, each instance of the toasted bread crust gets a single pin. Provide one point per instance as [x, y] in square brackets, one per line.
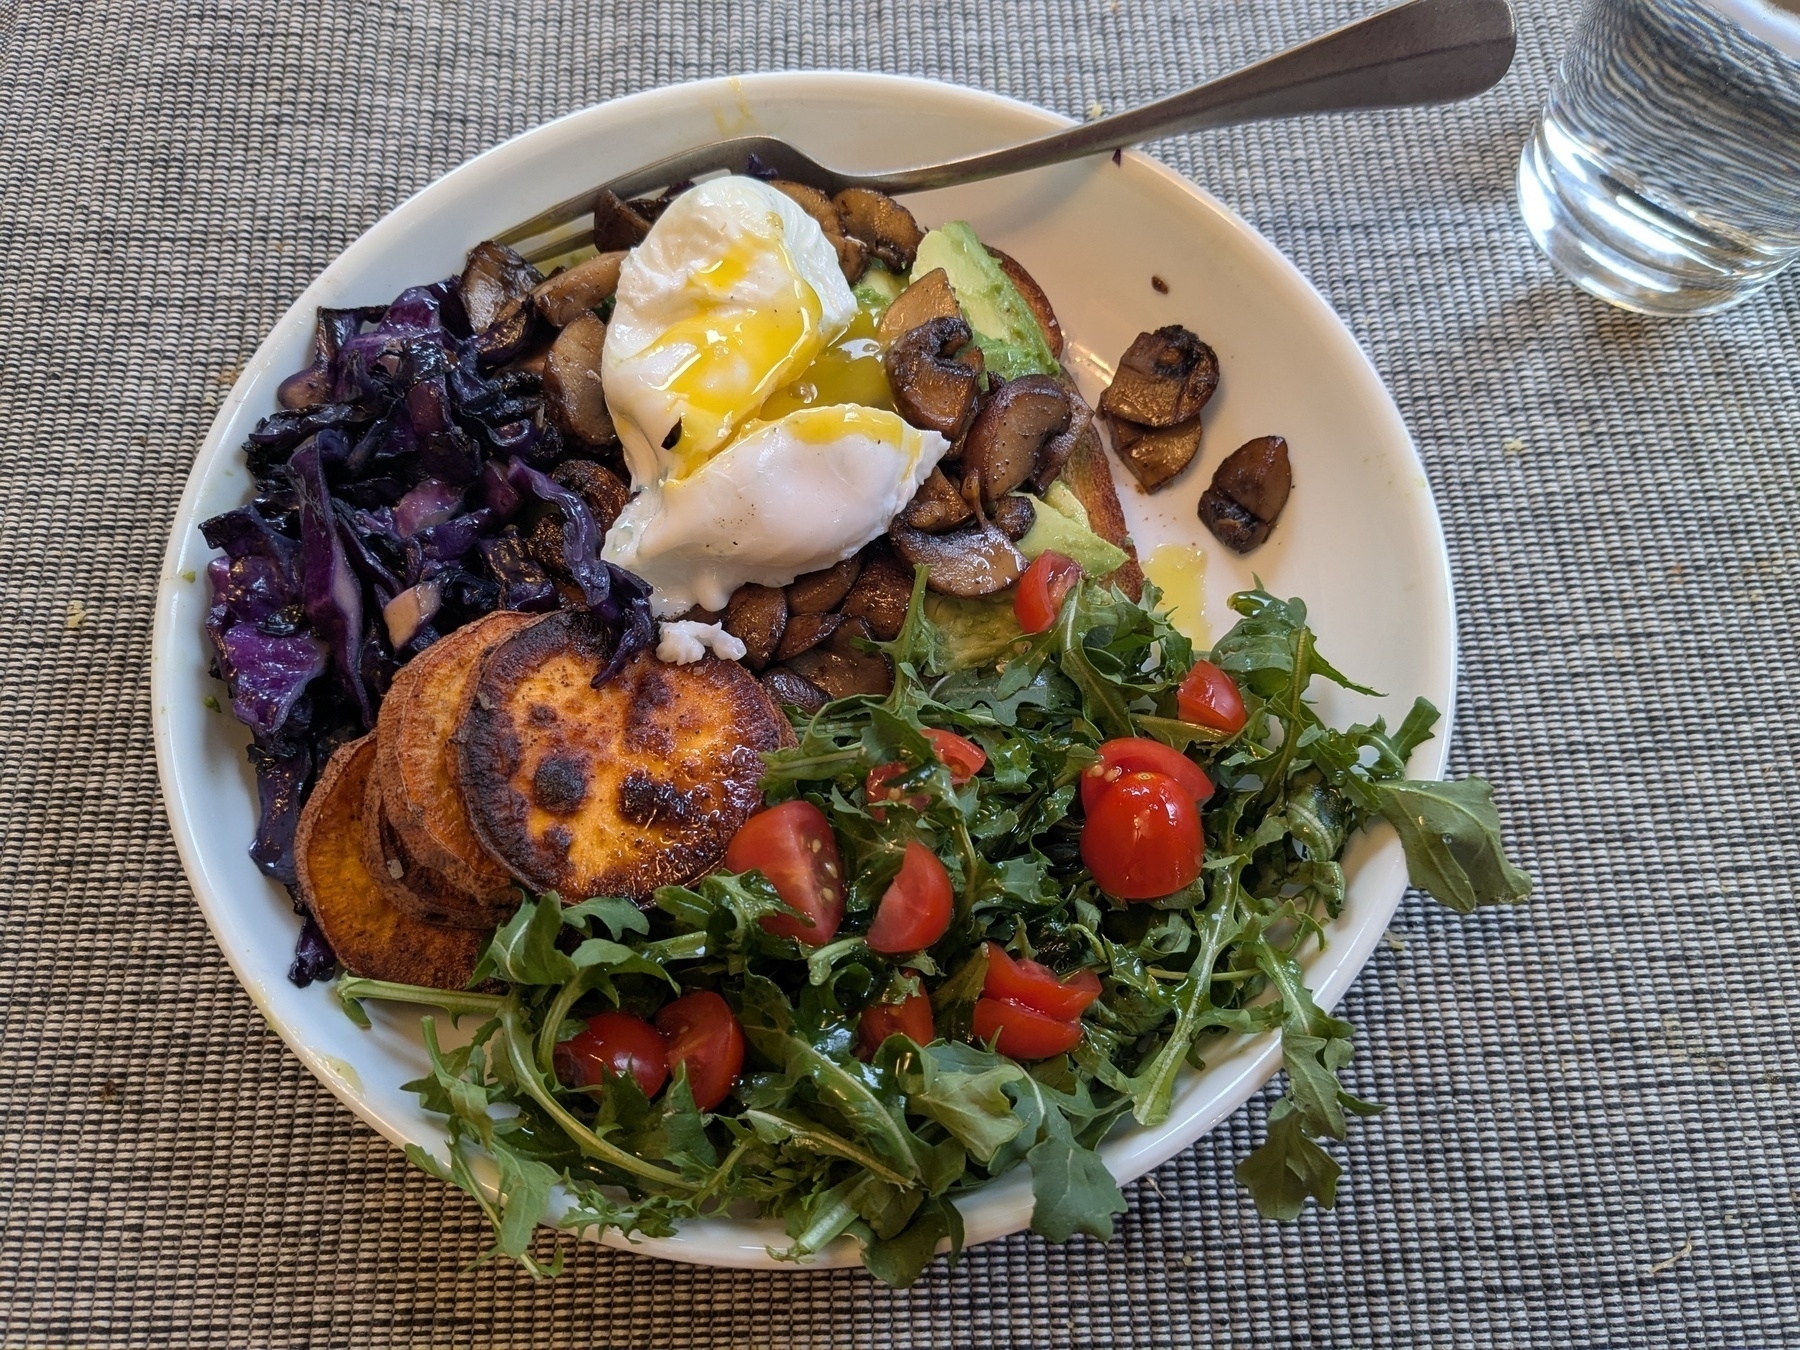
[1089, 476]
[370, 936]
[414, 889]
[617, 790]
[416, 764]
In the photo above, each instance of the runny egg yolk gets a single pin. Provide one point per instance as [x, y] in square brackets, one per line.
[848, 371]
[737, 357]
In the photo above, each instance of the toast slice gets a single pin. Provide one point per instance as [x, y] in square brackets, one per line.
[416, 766]
[370, 936]
[1088, 475]
[617, 790]
[417, 890]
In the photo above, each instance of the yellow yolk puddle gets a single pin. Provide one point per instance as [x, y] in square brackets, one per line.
[736, 357]
[848, 371]
[1179, 572]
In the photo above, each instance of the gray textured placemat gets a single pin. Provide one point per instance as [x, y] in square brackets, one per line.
[1595, 1133]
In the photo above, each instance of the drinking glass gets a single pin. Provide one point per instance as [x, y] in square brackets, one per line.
[1664, 175]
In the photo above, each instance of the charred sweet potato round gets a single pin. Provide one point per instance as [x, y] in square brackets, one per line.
[416, 764]
[370, 936]
[416, 890]
[614, 790]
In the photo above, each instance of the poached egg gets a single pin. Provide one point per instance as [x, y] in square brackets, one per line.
[742, 375]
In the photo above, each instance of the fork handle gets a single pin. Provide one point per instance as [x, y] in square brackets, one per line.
[1423, 51]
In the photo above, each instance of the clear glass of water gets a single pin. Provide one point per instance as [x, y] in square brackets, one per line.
[1664, 175]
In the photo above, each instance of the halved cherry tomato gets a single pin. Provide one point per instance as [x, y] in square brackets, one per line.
[1024, 1033]
[915, 909]
[1023, 981]
[958, 754]
[911, 1018]
[1142, 838]
[1208, 697]
[622, 1044]
[1039, 596]
[702, 1034]
[793, 847]
[1139, 754]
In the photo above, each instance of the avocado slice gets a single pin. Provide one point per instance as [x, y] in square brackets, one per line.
[1011, 340]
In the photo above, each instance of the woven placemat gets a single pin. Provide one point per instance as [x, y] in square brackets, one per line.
[1594, 1138]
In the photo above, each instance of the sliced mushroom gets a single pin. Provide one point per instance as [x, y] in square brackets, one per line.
[757, 616]
[1055, 452]
[572, 393]
[1014, 424]
[568, 295]
[515, 337]
[1154, 454]
[1013, 516]
[928, 298]
[886, 228]
[1248, 491]
[806, 631]
[975, 560]
[617, 224]
[852, 254]
[937, 506]
[935, 374]
[1164, 378]
[603, 490]
[881, 594]
[1034, 295]
[840, 668]
[817, 592]
[494, 279]
[790, 689]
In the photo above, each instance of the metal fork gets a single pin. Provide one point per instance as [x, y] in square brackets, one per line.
[1423, 51]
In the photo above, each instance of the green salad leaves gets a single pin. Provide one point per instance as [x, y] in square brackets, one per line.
[881, 1150]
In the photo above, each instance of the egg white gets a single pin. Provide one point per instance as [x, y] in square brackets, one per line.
[785, 498]
[732, 294]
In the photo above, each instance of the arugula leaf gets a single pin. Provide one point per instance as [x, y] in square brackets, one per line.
[963, 1088]
[1451, 833]
[1288, 1167]
[1072, 1192]
[873, 1151]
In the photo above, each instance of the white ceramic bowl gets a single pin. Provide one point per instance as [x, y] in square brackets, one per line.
[1360, 539]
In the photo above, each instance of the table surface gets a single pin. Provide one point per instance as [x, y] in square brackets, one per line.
[1594, 1138]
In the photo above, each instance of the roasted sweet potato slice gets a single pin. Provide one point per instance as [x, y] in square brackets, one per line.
[617, 790]
[417, 890]
[416, 764]
[370, 936]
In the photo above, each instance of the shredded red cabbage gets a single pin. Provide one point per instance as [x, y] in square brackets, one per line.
[407, 462]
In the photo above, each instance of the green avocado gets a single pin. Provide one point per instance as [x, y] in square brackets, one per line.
[1061, 526]
[1012, 342]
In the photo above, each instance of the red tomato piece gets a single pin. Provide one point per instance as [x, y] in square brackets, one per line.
[793, 847]
[1208, 697]
[619, 1042]
[1023, 981]
[915, 909]
[1039, 596]
[702, 1034]
[911, 1018]
[1023, 1033]
[1139, 754]
[960, 755]
[1143, 838]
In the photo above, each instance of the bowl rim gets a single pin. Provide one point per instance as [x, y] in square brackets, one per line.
[1003, 1207]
